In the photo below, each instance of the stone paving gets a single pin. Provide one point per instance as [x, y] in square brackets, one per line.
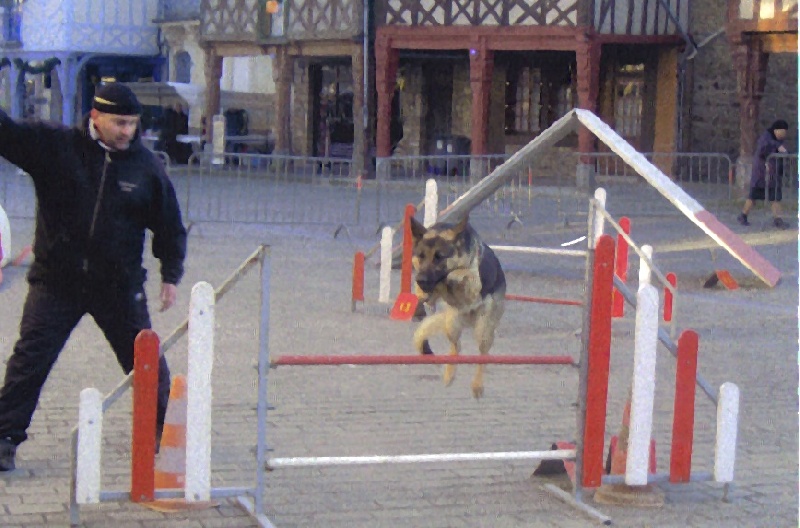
[748, 336]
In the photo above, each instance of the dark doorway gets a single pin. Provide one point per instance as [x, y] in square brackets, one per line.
[438, 77]
[332, 123]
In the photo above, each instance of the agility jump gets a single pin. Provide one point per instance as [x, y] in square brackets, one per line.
[587, 454]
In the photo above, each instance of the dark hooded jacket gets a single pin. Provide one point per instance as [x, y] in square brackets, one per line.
[87, 235]
[767, 144]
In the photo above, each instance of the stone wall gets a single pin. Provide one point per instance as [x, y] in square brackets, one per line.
[711, 113]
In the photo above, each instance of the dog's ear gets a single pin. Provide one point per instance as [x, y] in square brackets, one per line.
[461, 226]
[417, 229]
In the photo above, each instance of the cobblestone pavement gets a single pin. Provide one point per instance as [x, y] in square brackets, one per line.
[747, 336]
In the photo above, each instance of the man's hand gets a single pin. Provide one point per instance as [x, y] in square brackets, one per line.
[782, 149]
[169, 294]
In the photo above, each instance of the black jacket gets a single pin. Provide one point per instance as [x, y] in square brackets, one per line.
[70, 250]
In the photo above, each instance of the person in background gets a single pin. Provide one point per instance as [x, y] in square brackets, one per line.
[765, 179]
[98, 189]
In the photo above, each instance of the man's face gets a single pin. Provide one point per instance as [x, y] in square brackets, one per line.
[116, 131]
[780, 134]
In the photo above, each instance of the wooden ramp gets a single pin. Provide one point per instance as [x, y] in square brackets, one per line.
[718, 231]
[766, 238]
[690, 207]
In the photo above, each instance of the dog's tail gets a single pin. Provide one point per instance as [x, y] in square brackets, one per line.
[430, 326]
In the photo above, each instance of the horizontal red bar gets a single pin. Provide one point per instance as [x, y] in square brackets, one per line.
[543, 300]
[421, 360]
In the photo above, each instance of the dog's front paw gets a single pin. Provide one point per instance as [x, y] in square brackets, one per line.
[477, 390]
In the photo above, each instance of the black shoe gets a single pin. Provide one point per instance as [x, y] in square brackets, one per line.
[780, 224]
[8, 451]
[742, 219]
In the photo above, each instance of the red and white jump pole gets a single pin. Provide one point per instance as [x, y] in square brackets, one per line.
[621, 266]
[358, 280]
[644, 382]
[669, 298]
[408, 247]
[306, 360]
[680, 462]
[599, 356]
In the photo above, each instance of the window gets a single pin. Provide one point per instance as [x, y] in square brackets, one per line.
[523, 100]
[11, 17]
[183, 67]
[628, 100]
[565, 100]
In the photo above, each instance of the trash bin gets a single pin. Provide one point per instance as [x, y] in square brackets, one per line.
[446, 146]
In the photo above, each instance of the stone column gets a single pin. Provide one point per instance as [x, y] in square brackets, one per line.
[359, 136]
[282, 72]
[67, 79]
[56, 95]
[386, 62]
[17, 90]
[481, 66]
[751, 77]
[587, 70]
[213, 74]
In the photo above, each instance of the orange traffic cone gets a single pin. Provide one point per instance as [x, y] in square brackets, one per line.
[623, 494]
[170, 471]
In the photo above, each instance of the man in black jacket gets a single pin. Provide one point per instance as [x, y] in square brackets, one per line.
[98, 189]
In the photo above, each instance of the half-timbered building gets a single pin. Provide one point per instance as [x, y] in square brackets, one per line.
[317, 55]
[245, 85]
[53, 53]
[501, 71]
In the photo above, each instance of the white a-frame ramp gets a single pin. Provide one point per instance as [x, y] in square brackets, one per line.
[718, 231]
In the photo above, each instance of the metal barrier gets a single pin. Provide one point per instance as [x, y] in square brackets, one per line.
[401, 180]
[706, 176]
[267, 189]
[163, 157]
[17, 194]
[785, 166]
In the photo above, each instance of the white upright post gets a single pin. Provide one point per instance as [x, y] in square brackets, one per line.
[431, 203]
[5, 240]
[599, 219]
[386, 264]
[218, 139]
[644, 383]
[727, 424]
[198, 405]
[644, 268]
[90, 435]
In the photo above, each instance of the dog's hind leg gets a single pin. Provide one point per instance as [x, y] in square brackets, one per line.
[453, 327]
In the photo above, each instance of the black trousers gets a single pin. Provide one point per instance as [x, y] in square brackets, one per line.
[48, 319]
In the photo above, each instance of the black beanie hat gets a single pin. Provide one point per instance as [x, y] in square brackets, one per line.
[780, 124]
[116, 98]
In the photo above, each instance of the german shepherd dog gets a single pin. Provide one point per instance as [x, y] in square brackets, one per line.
[453, 264]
